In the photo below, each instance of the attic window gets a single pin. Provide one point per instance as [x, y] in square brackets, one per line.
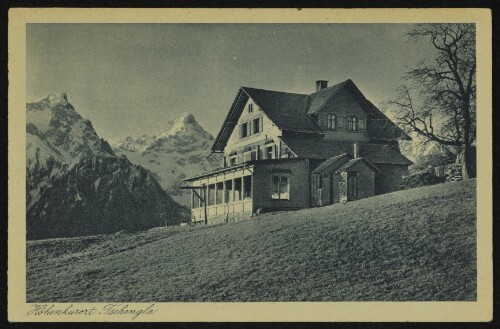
[352, 123]
[332, 121]
[257, 125]
[361, 124]
[244, 130]
[250, 108]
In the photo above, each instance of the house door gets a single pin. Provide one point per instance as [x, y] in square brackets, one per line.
[352, 187]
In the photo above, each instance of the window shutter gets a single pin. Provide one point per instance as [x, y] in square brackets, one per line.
[261, 121]
[241, 131]
[249, 126]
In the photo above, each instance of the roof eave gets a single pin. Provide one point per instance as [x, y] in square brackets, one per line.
[216, 146]
[218, 171]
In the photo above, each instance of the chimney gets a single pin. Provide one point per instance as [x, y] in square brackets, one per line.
[355, 152]
[321, 84]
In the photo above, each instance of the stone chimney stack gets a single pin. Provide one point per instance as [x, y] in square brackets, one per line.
[321, 84]
[355, 151]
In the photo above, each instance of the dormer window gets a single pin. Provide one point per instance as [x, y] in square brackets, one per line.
[352, 123]
[332, 121]
[250, 108]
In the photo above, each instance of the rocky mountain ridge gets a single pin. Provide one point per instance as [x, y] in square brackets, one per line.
[77, 185]
[181, 151]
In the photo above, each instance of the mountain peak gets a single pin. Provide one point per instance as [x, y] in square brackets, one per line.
[55, 121]
[184, 118]
[57, 99]
[184, 124]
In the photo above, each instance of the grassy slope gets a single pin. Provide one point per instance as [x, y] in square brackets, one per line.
[416, 244]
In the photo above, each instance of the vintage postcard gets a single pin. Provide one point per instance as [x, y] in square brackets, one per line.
[250, 165]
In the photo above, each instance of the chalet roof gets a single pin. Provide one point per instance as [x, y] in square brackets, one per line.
[286, 110]
[352, 162]
[383, 154]
[338, 161]
[321, 97]
[292, 112]
[315, 148]
[380, 127]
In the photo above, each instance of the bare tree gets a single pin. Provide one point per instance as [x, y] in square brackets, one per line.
[439, 100]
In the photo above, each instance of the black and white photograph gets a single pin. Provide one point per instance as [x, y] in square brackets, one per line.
[249, 162]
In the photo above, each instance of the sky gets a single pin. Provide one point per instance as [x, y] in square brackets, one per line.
[131, 79]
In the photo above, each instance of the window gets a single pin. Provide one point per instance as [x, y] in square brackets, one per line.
[250, 108]
[361, 124]
[211, 195]
[281, 188]
[233, 160]
[353, 123]
[237, 189]
[332, 121]
[269, 152]
[244, 130]
[256, 126]
[228, 196]
[197, 200]
[219, 192]
[247, 186]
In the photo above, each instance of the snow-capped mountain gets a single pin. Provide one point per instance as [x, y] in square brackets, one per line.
[77, 185]
[135, 144]
[181, 151]
[55, 121]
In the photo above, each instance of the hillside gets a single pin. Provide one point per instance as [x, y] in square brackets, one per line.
[417, 244]
[76, 185]
[182, 150]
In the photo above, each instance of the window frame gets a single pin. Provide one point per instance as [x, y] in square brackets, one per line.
[244, 130]
[267, 148]
[331, 121]
[256, 126]
[362, 124]
[247, 193]
[279, 195]
[250, 108]
[352, 123]
[247, 156]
